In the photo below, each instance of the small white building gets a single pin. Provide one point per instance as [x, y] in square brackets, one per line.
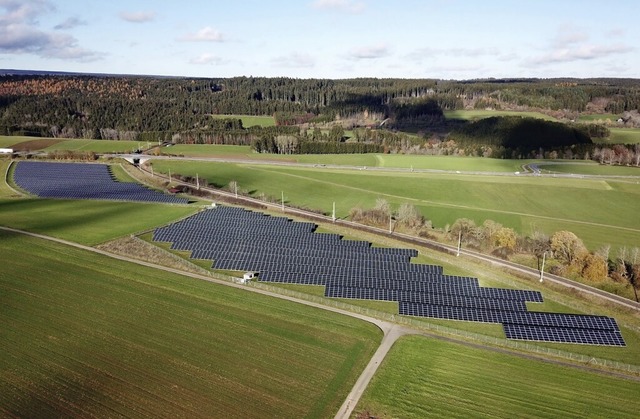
[248, 276]
[6, 150]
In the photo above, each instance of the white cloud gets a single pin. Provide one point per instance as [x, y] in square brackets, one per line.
[19, 33]
[295, 60]
[137, 17]
[369, 52]
[569, 35]
[205, 58]
[206, 34]
[580, 53]
[348, 6]
[70, 23]
[23, 11]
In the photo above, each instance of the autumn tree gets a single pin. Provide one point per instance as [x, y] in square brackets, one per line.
[567, 247]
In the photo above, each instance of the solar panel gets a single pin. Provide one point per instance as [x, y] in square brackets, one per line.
[83, 181]
[284, 251]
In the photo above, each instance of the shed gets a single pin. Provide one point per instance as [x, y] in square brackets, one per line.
[6, 150]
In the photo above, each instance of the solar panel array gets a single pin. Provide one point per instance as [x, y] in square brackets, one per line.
[83, 181]
[285, 251]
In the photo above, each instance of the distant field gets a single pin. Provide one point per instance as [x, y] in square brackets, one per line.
[87, 336]
[624, 136]
[98, 146]
[590, 168]
[592, 209]
[437, 379]
[598, 117]
[475, 114]
[251, 120]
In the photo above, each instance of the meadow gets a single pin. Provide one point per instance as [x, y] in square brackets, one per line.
[600, 211]
[435, 378]
[475, 114]
[624, 136]
[86, 335]
[250, 120]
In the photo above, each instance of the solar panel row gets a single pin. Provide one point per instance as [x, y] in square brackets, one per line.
[289, 252]
[83, 181]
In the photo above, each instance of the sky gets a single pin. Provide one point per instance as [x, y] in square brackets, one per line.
[442, 39]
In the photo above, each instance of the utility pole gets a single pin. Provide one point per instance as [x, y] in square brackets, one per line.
[197, 182]
[235, 189]
[282, 201]
[544, 256]
[169, 176]
[151, 169]
[333, 214]
[459, 242]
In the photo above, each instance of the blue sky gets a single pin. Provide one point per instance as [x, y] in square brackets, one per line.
[446, 39]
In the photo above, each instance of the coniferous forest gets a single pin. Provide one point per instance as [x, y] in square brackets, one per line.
[379, 113]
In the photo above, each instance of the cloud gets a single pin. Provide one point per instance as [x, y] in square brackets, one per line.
[206, 34]
[571, 44]
[569, 35]
[70, 23]
[137, 17]
[368, 52]
[453, 52]
[295, 60]
[581, 53]
[23, 11]
[348, 6]
[205, 58]
[23, 39]
[19, 33]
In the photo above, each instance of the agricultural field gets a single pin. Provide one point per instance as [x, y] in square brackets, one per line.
[86, 335]
[435, 378]
[55, 144]
[475, 114]
[599, 211]
[588, 168]
[84, 221]
[624, 136]
[251, 120]
[591, 117]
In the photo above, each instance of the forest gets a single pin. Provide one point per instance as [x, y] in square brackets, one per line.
[378, 112]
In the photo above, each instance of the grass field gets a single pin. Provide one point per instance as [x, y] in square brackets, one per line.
[251, 120]
[624, 136]
[599, 211]
[437, 379]
[598, 117]
[98, 146]
[475, 114]
[589, 168]
[87, 336]
[84, 221]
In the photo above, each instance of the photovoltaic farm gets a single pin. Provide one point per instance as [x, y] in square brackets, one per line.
[83, 181]
[285, 251]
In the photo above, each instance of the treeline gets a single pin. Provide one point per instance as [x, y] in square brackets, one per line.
[123, 107]
[517, 133]
[564, 252]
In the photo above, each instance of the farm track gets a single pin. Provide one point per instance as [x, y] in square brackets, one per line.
[392, 332]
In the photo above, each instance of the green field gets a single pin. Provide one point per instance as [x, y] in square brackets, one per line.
[251, 120]
[87, 336]
[438, 379]
[475, 114]
[624, 136]
[597, 210]
[98, 146]
[589, 168]
[598, 117]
